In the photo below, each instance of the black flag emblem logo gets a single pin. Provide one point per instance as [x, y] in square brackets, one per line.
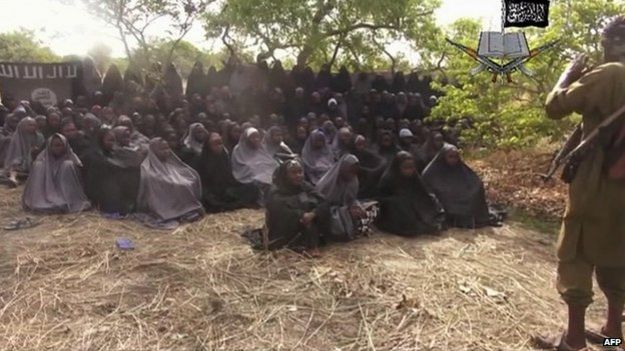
[526, 13]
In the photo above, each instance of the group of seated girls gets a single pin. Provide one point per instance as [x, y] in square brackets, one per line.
[319, 181]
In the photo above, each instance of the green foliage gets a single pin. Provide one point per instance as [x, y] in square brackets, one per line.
[21, 46]
[513, 114]
[312, 30]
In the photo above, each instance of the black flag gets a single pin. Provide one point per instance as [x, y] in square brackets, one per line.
[526, 13]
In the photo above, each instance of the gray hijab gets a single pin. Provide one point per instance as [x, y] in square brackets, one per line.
[317, 162]
[18, 154]
[54, 182]
[334, 189]
[273, 148]
[249, 164]
[168, 189]
[190, 142]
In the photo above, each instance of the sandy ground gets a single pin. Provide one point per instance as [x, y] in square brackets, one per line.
[65, 286]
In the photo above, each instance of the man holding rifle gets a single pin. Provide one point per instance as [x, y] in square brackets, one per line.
[593, 231]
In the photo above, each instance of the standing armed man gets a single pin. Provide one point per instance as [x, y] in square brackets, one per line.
[593, 231]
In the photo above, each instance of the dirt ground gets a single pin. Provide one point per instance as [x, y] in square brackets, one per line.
[65, 286]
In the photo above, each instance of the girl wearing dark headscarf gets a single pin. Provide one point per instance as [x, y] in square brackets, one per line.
[137, 141]
[407, 208]
[433, 145]
[232, 135]
[24, 146]
[6, 134]
[459, 189]
[54, 185]
[169, 190]
[317, 156]
[273, 142]
[293, 210]
[251, 162]
[344, 217]
[299, 140]
[386, 146]
[111, 174]
[221, 192]
[192, 144]
[342, 82]
[372, 166]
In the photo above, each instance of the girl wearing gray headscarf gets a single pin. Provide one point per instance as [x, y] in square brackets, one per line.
[26, 143]
[251, 162]
[317, 156]
[347, 216]
[274, 143]
[54, 185]
[169, 190]
[192, 144]
[6, 134]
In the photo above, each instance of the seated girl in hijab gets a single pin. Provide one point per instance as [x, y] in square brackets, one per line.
[297, 142]
[192, 144]
[23, 148]
[251, 162]
[343, 142]
[344, 217]
[6, 134]
[54, 185]
[111, 175]
[169, 190]
[274, 143]
[433, 145]
[406, 207]
[459, 189]
[386, 146]
[293, 211]
[317, 156]
[372, 167]
[221, 192]
[137, 140]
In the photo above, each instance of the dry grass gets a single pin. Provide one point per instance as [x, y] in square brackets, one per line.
[64, 286]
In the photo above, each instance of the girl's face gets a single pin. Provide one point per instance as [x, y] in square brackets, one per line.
[345, 137]
[408, 168]
[162, 151]
[216, 143]
[277, 137]
[57, 148]
[235, 133]
[254, 140]
[108, 140]
[452, 157]
[199, 133]
[295, 175]
[349, 172]
[318, 142]
[30, 127]
[387, 140]
[361, 144]
[301, 133]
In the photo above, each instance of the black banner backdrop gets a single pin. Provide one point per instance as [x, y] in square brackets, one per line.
[526, 13]
[47, 83]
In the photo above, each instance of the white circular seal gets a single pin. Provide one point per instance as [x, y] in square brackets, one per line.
[45, 96]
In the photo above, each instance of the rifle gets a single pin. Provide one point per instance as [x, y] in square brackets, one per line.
[569, 145]
[572, 159]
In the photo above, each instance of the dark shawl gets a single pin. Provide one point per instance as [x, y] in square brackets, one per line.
[221, 192]
[286, 206]
[54, 184]
[459, 189]
[407, 208]
[372, 167]
[111, 177]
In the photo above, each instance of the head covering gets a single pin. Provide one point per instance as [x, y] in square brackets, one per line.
[317, 161]
[280, 177]
[169, 189]
[19, 152]
[273, 148]
[334, 189]
[338, 147]
[54, 182]
[332, 102]
[190, 142]
[459, 189]
[249, 164]
[405, 133]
